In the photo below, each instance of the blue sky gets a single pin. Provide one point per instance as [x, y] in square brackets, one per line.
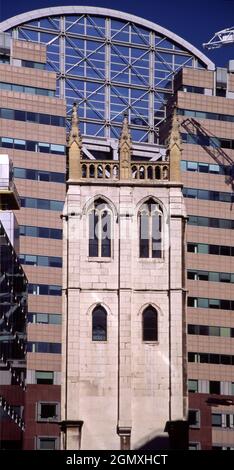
[196, 21]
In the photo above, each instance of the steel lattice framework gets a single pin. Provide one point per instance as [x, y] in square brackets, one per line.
[110, 63]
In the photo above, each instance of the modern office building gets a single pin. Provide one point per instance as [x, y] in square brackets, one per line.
[204, 102]
[32, 123]
[109, 63]
[13, 316]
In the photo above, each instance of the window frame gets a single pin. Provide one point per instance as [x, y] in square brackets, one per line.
[98, 211]
[55, 418]
[197, 425]
[47, 380]
[105, 338]
[145, 209]
[194, 444]
[38, 439]
[143, 328]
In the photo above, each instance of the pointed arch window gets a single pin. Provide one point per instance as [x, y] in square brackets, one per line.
[100, 230]
[150, 324]
[150, 228]
[99, 324]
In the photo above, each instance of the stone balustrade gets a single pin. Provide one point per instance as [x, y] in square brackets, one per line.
[150, 170]
[110, 169]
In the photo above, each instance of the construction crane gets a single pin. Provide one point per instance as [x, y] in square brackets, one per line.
[221, 38]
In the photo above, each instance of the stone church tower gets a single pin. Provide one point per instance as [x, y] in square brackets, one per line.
[123, 376]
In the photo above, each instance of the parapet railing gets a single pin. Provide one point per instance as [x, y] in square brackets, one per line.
[110, 169]
[107, 169]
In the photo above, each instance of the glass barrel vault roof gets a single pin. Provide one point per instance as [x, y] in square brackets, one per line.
[109, 62]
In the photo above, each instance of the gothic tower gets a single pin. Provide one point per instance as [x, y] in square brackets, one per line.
[123, 371]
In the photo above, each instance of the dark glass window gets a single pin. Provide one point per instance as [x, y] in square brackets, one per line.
[214, 249]
[55, 290]
[225, 304]
[31, 64]
[216, 420]
[19, 144]
[31, 231]
[32, 117]
[31, 174]
[47, 443]
[191, 275]
[192, 330]
[150, 324]
[191, 302]
[192, 247]
[55, 319]
[203, 167]
[60, 149]
[44, 118]
[225, 359]
[144, 238]
[42, 347]
[44, 232]
[20, 115]
[48, 410]
[44, 377]
[7, 142]
[214, 303]
[192, 166]
[100, 230]
[225, 223]
[55, 120]
[55, 262]
[192, 357]
[99, 324]
[193, 386]
[43, 147]
[225, 250]
[19, 88]
[43, 204]
[56, 233]
[31, 146]
[203, 275]
[43, 289]
[203, 358]
[225, 277]
[43, 176]
[57, 177]
[203, 221]
[29, 116]
[7, 113]
[42, 260]
[56, 205]
[55, 348]
[150, 227]
[194, 418]
[204, 330]
[215, 387]
[214, 359]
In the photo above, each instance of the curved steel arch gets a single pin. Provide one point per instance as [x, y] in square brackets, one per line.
[70, 10]
[110, 62]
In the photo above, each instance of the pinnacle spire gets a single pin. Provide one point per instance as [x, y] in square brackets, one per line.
[125, 135]
[174, 150]
[74, 146]
[174, 137]
[125, 149]
[75, 134]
